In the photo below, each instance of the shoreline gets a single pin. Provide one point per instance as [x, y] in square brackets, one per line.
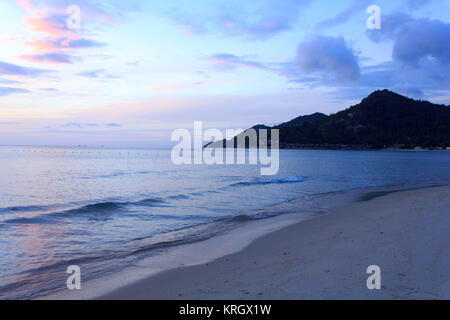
[181, 256]
[267, 263]
[405, 233]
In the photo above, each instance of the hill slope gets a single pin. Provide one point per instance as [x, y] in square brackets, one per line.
[381, 120]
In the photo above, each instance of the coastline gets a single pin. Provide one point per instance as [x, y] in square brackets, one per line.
[292, 257]
[181, 256]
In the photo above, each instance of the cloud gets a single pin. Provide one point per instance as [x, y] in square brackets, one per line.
[52, 24]
[8, 81]
[415, 82]
[92, 10]
[49, 89]
[420, 53]
[92, 74]
[415, 40]
[54, 41]
[254, 20]
[96, 74]
[390, 27]
[6, 91]
[357, 6]
[79, 125]
[417, 4]
[133, 63]
[49, 44]
[115, 125]
[228, 62]
[319, 61]
[53, 57]
[328, 58]
[14, 69]
[72, 125]
[7, 123]
[422, 39]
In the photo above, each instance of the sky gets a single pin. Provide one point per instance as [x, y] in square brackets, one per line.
[128, 73]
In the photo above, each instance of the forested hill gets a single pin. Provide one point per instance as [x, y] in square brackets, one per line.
[383, 119]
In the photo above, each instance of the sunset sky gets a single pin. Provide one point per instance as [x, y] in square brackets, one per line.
[136, 70]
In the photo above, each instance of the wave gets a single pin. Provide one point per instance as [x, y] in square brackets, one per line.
[179, 196]
[270, 181]
[24, 208]
[97, 207]
[99, 210]
[150, 202]
[246, 217]
[116, 174]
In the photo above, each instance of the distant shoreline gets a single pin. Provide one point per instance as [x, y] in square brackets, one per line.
[354, 147]
[341, 148]
[363, 149]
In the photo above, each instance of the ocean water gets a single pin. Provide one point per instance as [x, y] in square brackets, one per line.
[105, 209]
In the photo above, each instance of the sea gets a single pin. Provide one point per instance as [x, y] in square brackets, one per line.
[105, 209]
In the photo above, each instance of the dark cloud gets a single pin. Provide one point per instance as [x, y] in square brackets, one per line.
[411, 81]
[420, 64]
[414, 40]
[420, 55]
[329, 58]
[422, 39]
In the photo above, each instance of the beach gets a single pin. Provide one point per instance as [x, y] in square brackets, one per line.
[132, 214]
[405, 233]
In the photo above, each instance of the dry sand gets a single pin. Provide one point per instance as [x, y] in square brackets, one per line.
[406, 233]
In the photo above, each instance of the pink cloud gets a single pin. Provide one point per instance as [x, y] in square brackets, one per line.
[50, 44]
[54, 42]
[51, 25]
[26, 4]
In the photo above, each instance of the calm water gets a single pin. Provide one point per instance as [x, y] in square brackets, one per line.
[104, 209]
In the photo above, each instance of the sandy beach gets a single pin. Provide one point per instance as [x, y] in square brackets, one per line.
[407, 234]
